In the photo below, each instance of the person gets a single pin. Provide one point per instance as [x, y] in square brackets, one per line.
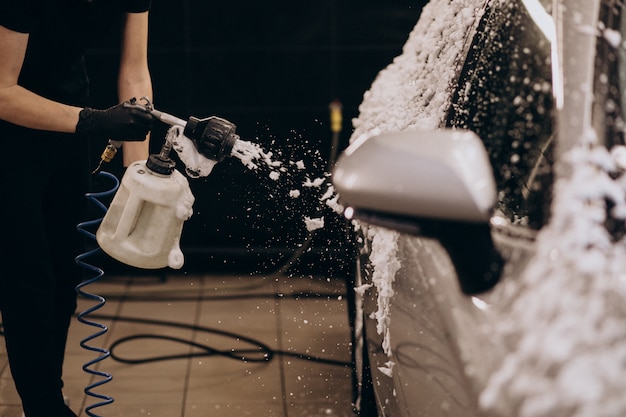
[45, 122]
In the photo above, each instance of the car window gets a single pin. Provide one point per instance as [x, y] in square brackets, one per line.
[504, 95]
[609, 110]
[610, 75]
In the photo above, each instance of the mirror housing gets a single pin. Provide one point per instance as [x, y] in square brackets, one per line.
[435, 184]
[442, 174]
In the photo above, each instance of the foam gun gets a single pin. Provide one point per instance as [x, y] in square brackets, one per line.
[143, 224]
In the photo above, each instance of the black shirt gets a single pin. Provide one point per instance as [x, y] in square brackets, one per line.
[60, 32]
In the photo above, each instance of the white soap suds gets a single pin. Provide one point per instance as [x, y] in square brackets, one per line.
[250, 154]
[564, 332]
[313, 223]
[196, 164]
[385, 264]
[314, 183]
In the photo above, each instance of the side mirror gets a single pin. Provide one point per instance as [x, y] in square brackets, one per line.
[435, 184]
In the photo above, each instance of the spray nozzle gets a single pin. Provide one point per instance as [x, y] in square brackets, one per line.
[213, 137]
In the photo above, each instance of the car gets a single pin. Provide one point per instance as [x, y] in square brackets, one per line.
[484, 180]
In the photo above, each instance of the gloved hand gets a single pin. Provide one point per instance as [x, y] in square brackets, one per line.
[123, 122]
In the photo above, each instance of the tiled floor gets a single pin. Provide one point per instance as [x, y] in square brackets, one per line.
[212, 320]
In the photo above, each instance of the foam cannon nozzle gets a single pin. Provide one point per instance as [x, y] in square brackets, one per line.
[213, 136]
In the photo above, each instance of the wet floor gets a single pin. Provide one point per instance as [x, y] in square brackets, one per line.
[210, 345]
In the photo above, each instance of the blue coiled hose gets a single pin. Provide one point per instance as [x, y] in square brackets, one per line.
[100, 301]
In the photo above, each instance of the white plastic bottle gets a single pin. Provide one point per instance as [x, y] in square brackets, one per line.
[143, 225]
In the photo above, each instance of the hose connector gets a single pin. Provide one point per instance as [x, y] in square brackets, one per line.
[107, 154]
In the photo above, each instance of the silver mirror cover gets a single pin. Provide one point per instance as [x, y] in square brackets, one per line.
[443, 174]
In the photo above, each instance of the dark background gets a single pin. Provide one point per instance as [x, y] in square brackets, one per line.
[272, 68]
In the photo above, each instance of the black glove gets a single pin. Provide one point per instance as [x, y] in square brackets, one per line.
[123, 122]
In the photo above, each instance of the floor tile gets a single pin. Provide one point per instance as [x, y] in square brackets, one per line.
[10, 410]
[193, 345]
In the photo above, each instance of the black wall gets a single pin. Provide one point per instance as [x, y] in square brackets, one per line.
[272, 68]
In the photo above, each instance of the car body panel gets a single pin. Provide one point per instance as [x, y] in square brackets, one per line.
[577, 32]
[426, 370]
[440, 342]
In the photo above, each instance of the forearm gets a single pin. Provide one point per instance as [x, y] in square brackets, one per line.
[134, 76]
[25, 108]
[21, 106]
[128, 87]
